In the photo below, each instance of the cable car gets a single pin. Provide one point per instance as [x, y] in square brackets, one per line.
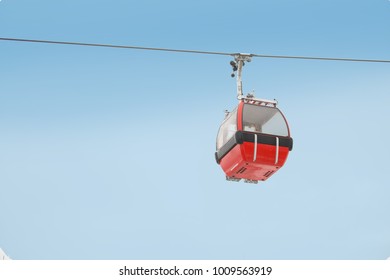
[253, 141]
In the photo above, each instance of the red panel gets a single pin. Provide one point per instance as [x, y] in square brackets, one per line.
[232, 162]
[239, 115]
[240, 162]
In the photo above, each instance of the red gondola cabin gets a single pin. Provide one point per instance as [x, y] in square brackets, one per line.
[253, 141]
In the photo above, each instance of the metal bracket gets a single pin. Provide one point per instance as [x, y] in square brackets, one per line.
[251, 181]
[232, 179]
[259, 101]
[237, 64]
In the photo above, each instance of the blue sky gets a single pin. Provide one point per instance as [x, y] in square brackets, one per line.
[109, 153]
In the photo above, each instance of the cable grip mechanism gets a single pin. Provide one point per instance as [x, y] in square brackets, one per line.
[237, 65]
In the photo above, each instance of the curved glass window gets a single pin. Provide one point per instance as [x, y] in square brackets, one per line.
[268, 120]
[227, 129]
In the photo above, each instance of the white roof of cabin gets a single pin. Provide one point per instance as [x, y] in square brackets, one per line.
[3, 256]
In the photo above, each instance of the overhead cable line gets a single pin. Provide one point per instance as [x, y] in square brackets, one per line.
[192, 51]
[112, 46]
